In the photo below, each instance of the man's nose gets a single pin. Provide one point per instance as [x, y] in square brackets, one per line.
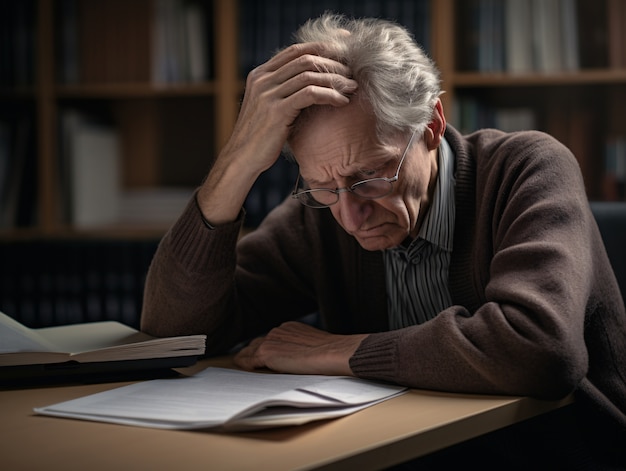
[353, 210]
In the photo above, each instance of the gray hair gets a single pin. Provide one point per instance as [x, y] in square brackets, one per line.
[395, 76]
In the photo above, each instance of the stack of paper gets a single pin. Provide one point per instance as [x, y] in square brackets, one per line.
[228, 400]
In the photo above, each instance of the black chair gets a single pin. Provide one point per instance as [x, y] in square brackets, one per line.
[611, 219]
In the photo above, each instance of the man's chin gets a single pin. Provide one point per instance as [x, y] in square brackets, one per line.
[375, 243]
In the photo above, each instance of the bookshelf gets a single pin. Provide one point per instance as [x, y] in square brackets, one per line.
[96, 59]
[561, 64]
[169, 128]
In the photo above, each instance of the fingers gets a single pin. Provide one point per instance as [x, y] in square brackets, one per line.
[246, 358]
[300, 349]
[316, 66]
[299, 334]
[276, 92]
[304, 77]
[285, 340]
[314, 88]
[291, 53]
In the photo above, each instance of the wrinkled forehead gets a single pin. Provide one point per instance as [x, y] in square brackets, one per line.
[312, 114]
[340, 143]
[357, 115]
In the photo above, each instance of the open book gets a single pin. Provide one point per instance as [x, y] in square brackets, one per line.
[98, 346]
[228, 400]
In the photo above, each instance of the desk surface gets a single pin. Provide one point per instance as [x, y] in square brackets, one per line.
[394, 431]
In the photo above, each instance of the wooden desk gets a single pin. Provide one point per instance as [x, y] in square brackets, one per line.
[394, 431]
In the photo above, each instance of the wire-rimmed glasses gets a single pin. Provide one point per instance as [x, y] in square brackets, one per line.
[370, 189]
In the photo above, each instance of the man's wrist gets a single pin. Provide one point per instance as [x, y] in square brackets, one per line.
[210, 225]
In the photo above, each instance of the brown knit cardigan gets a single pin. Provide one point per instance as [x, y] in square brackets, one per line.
[537, 310]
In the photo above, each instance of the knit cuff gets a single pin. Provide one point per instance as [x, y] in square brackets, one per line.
[376, 356]
[196, 245]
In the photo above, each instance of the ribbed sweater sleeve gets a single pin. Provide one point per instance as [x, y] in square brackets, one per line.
[190, 258]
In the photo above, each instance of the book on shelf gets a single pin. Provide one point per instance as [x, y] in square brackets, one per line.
[10, 168]
[90, 170]
[269, 190]
[569, 35]
[17, 43]
[546, 35]
[5, 161]
[181, 41]
[228, 400]
[519, 36]
[614, 178]
[88, 349]
[470, 114]
[593, 32]
[154, 206]
[114, 41]
[518, 48]
[18, 171]
[616, 22]
[265, 26]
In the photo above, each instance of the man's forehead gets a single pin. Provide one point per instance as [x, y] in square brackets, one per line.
[334, 128]
[357, 112]
[345, 159]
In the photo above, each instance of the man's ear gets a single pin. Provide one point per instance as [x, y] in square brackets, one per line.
[435, 129]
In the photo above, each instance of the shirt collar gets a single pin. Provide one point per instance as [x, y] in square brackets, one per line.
[438, 225]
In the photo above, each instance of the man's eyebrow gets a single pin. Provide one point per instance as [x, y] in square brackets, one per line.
[376, 163]
[316, 184]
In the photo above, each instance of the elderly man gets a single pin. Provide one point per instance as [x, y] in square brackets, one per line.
[456, 263]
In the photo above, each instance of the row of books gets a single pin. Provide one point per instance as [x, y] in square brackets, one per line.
[614, 184]
[18, 172]
[171, 40]
[518, 36]
[17, 43]
[270, 189]
[616, 31]
[90, 169]
[54, 282]
[166, 41]
[548, 36]
[470, 114]
[572, 125]
[162, 41]
[268, 25]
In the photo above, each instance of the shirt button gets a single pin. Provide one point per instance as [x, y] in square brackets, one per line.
[416, 260]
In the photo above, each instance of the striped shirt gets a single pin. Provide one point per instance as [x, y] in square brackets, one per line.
[417, 275]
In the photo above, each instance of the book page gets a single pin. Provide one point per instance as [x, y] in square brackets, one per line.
[15, 337]
[219, 397]
[88, 342]
[90, 336]
[110, 340]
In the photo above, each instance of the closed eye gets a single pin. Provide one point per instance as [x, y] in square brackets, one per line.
[367, 173]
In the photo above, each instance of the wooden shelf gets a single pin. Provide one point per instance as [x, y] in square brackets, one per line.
[135, 90]
[582, 77]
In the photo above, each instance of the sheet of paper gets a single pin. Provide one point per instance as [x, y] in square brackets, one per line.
[217, 396]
